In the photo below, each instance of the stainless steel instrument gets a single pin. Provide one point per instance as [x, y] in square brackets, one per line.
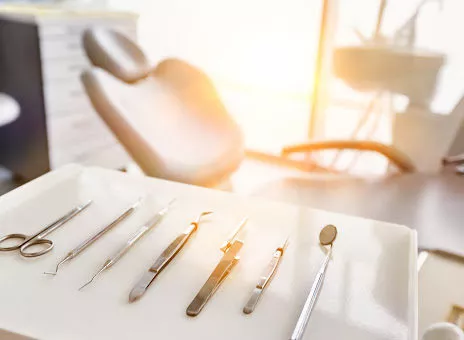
[131, 242]
[88, 242]
[230, 248]
[164, 259]
[326, 237]
[26, 242]
[265, 279]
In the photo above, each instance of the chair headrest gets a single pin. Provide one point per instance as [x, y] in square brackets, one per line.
[116, 53]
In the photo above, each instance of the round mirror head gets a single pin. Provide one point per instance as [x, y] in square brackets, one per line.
[328, 235]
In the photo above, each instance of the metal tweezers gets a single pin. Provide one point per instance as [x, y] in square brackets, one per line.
[230, 248]
[265, 279]
[164, 259]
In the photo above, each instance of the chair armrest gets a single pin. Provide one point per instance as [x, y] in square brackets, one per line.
[454, 160]
[400, 159]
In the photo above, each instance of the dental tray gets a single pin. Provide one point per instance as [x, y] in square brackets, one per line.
[369, 293]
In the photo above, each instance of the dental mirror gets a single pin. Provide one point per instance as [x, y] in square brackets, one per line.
[328, 235]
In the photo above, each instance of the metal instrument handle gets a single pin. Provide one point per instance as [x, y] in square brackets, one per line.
[172, 250]
[80, 248]
[161, 262]
[270, 270]
[62, 220]
[310, 301]
[263, 281]
[138, 235]
[222, 270]
[121, 252]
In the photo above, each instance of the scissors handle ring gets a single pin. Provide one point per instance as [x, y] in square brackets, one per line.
[23, 239]
[35, 242]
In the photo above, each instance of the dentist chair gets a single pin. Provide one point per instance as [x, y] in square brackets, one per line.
[169, 118]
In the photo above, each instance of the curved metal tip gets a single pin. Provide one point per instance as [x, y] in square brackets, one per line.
[204, 213]
[67, 258]
[50, 273]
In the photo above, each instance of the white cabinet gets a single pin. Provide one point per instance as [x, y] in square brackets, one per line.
[75, 131]
[41, 61]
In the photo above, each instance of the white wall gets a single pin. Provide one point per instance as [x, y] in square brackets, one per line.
[260, 53]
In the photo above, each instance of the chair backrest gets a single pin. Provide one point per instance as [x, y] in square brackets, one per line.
[170, 118]
[123, 108]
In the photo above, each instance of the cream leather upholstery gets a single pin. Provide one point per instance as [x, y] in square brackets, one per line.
[171, 121]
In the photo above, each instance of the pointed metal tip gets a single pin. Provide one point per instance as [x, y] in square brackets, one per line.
[89, 282]
[85, 205]
[242, 224]
[284, 245]
[137, 203]
[84, 285]
[164, 210]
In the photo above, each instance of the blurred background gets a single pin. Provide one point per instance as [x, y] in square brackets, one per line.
[287, 73]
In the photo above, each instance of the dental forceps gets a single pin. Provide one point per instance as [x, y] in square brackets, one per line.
[37, 239]
[88, 242]
[230, 248]
[265, 279]
[131, 242]
[164, 259]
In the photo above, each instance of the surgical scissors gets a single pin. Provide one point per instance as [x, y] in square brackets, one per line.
[38, 238]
